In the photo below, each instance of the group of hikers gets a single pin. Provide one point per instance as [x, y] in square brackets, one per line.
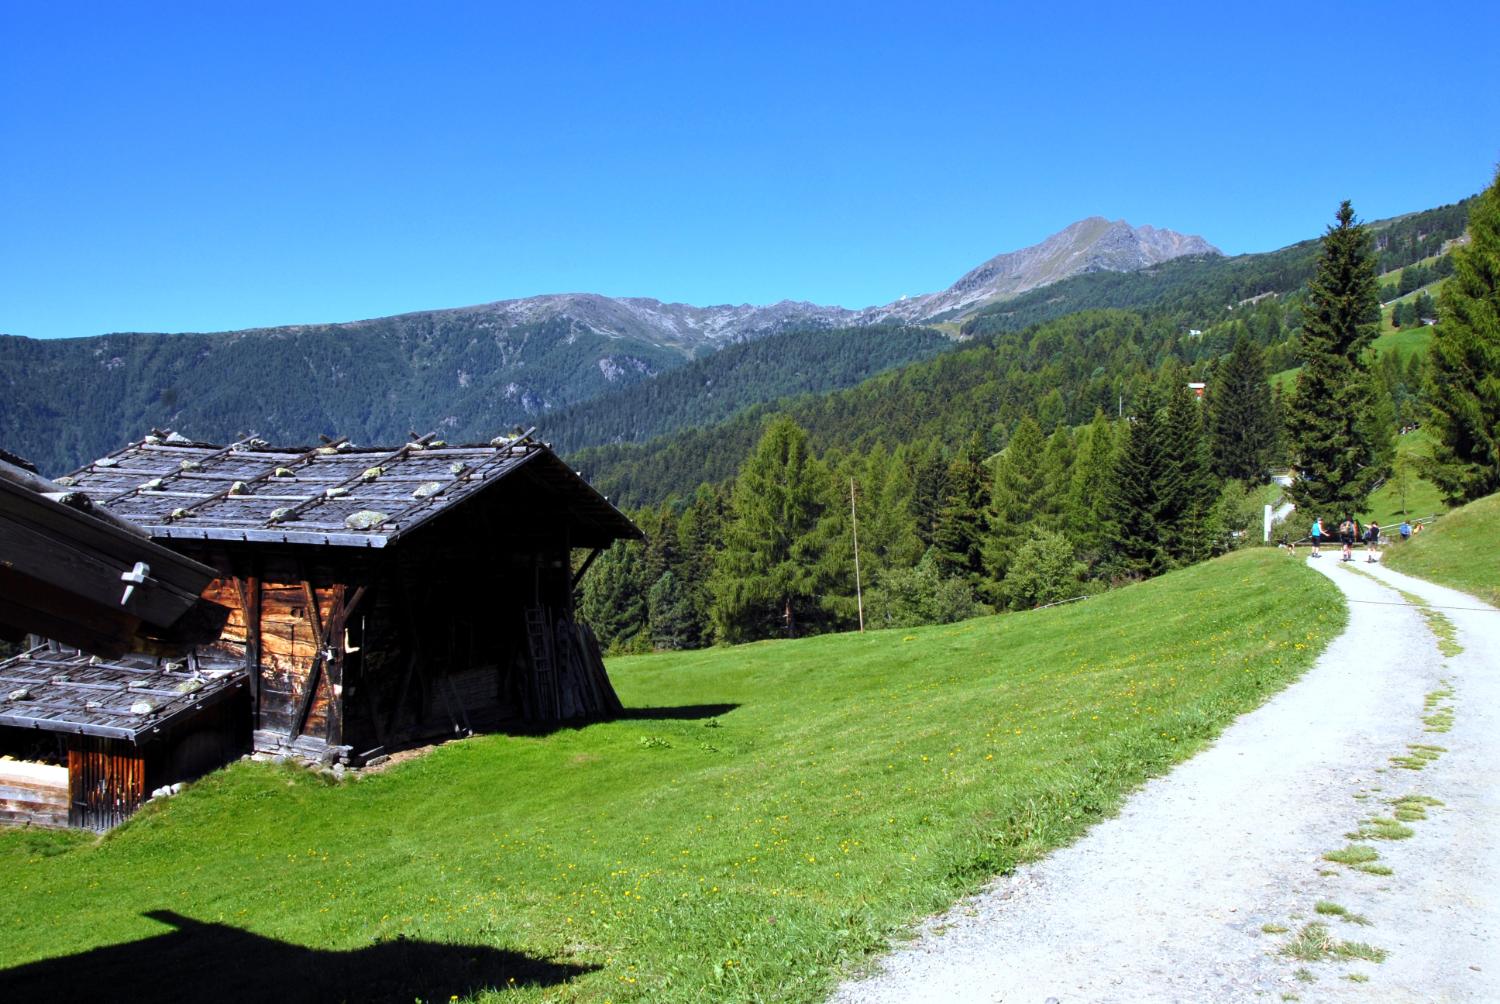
[1350, 532]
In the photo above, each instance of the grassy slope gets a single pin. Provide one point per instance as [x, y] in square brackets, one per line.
[1403, 341]
[1461, 550]
[860, 782]
[1422, 496]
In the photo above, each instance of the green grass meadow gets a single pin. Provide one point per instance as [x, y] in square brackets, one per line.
[806, 802]
[1421, 499]
[1461, 550]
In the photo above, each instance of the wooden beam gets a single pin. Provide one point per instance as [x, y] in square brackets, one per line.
[91, 565]
[578, 575]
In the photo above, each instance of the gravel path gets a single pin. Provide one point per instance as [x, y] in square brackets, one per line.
[1166, 902]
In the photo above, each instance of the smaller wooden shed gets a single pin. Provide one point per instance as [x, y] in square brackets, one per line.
[85, 740]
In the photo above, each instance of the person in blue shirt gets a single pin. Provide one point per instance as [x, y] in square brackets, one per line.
[1405, 531]
[1317, 537]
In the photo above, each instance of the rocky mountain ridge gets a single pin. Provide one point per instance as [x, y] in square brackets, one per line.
[468, 371]
[1089, 245]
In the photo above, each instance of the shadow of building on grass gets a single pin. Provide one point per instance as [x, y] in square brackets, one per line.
[679, 713]
[675, 713]
[201, 962]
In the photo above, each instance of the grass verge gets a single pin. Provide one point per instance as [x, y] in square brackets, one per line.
[1461, 550]
[853, 784]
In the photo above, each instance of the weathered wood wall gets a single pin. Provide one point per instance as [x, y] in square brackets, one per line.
[285, 622]
[108, 779]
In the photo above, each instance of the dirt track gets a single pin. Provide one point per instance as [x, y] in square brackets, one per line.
[1167, 902]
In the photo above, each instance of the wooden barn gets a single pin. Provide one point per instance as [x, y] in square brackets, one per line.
[381, 597]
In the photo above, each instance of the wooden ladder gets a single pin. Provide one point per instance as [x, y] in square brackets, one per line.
[544, 674]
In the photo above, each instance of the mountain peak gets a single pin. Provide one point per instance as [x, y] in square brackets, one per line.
[1092, 244]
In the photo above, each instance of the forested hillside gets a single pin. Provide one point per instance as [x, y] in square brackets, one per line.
[1034, 466]
[1056, 353]
[713, 388]
[1061, 372]
[69, 401]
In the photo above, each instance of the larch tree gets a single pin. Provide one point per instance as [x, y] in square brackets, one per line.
[1337, 462]
[1464, 366]
[766, 576]
[1015, 501]
[1093, 471]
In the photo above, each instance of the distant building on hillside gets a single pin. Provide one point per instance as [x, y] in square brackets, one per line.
[377, 598]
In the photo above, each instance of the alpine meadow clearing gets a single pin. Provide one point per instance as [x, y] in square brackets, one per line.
[766, 817]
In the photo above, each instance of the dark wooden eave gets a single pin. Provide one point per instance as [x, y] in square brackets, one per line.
[61, 569]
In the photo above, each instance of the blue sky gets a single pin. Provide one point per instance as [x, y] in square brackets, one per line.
[169, 167]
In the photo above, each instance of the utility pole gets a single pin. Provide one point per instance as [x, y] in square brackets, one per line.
[859, 596]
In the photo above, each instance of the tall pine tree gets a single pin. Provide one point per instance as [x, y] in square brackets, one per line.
[961, 525]
[1464, 388]
[1337, 463]
[1143, 475]
[1241, 416]
[1189, 488]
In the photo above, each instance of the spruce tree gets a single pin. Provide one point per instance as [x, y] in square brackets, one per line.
[700, 530]
[929, 472]
[1132, 503]
[614, 597]
[1464, 367]
[1188, 486]
[961, 525]
[766, 577]
[1337, 464]
[1241, 416]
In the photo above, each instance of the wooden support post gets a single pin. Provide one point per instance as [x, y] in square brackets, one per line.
[249, 593]
[338, 616]
[578, 575]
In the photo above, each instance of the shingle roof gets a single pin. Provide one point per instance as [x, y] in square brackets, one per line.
[333, 494]
[136, 698]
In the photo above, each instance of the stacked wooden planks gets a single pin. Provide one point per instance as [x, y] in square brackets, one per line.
[35, 793]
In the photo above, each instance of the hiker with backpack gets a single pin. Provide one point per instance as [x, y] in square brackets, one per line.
[1347, 532]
